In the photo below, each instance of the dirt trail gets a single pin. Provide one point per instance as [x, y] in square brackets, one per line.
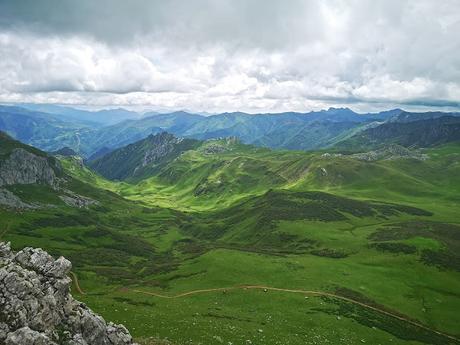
[303, 292]
[7, 228]
[76, 283]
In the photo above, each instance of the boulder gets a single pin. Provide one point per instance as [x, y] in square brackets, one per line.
[36, 306]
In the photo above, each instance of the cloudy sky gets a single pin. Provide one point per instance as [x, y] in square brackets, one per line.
[228, 55]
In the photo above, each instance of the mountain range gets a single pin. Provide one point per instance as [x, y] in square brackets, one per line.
[92, 134]
[240, 235]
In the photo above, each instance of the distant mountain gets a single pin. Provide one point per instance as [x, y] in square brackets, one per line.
[104, 117]
[290, 130]
[46, 131]
[299, 131]
[99, 153]
[312, 135]
[404, 116]
[65, 151]
[142, 158]
[418, 133]
[131, 131]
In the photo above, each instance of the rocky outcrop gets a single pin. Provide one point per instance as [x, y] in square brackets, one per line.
[390, 152]
[24, 167]
[36, 307]
[160, 146]
[75, 200]
[142, 158]
[9, 200]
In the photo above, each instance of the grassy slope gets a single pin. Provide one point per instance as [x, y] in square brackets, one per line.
[233, 232]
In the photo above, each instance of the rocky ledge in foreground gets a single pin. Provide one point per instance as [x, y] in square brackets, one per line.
[36, 307]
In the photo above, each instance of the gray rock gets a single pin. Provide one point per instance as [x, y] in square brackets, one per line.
[10, 200]
[35, 303]
[390, 152]
[24, 167]
[75, 200]
[25, 335]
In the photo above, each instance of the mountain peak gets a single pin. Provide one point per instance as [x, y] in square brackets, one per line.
[332, 109]
[142, 157]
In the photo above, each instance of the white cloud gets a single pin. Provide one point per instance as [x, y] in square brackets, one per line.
[236, 55]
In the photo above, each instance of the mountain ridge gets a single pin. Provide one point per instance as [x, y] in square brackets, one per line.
[289, 130]
[142, 157]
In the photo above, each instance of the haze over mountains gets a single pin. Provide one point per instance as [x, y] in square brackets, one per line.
[51, 128]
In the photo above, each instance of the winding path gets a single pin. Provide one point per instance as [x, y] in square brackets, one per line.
[7, 228]
[76, 283]
[270, 288]
[303, 292]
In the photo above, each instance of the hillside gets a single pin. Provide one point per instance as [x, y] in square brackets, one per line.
[32, 179]
[217, 173]
[407, 131]
[244, 234]
[142, 158]
[92, 133]
[103, 117]
[45, 131]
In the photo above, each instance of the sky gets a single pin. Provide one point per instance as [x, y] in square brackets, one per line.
[232, 55]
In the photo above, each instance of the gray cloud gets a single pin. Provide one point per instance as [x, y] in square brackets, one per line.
[271, 23]
[231, 54]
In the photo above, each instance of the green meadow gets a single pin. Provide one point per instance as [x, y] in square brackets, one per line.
[369, 250]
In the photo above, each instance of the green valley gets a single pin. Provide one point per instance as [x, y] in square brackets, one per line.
[361, 247]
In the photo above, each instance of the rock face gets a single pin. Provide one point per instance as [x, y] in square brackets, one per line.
[144, 157]
[36, 307]
[75, 200]
[9, 200]
[24, 167]
[161, 145]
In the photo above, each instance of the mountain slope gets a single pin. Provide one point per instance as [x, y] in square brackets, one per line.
[331, 223]
[142, 158]
[103, 117]
[420, 133]
[32, 179]
[293, 131]
[20, 164]
[218, 173]
[46, 131]
[130, 131]
[271, 130]
[315, 135]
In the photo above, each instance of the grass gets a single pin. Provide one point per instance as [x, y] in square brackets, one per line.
[385, 232]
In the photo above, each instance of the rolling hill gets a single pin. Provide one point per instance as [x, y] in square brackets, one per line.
[365, 243]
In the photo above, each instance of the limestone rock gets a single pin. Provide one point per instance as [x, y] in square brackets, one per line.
[11, 201]
[36, 306]
[24, 167]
